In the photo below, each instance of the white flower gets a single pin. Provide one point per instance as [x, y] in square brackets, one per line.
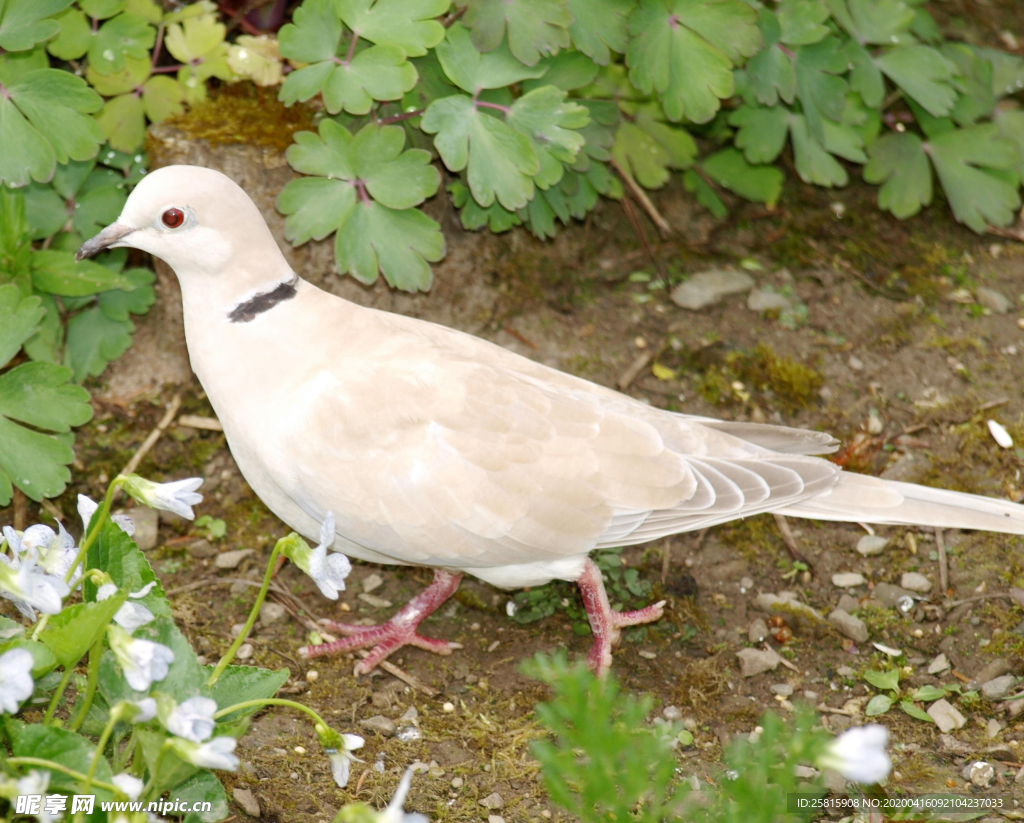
[859, 754]
[22, 582]
[87, 508]
[15, 679]
[36, 782]
[328, 570]
[193, 719]
[54, 552]
[341, 759]
[178, 496]
[142, 661]
[394, 812]
[213, 754]
[131, 616]
[128, 784]
[143, 710]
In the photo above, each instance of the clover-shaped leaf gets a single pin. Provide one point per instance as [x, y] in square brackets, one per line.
[821, 90]
[551, 122]
[600, 27]
[472, 71]
[646, 149]
[802, 22]
[198, 43]
[814, 163]
[74, 37]
[93, 340]
[899, 163]
[924, 74]
[256, 58]
[685, 50]
[474, 216]
[535, 28]
[19, 319]
[762, 131]
[23, 24]
[406, 24]
[126, 35]
[728, 168]
[771, 76]
[875, 22]
[977, 97]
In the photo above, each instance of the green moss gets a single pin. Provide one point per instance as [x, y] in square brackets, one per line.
[793, 384]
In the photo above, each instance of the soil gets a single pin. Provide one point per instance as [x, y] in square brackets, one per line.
[899, 360]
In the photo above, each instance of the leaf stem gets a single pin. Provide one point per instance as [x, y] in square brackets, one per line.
[95, 653]
[397, 118]
[157, 46]
[496, 106]
[156, 769]
[167, 69]
[351, 49]
[58, 767]
[97, 755]
[57, 695]
[271, 701]
[233, 648]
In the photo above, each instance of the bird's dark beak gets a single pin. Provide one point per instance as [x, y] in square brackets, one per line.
[109, 237]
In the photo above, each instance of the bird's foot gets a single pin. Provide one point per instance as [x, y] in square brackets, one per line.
[399, 631]
[605, 623]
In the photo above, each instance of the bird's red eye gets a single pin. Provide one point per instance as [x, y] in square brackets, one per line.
[173, 218]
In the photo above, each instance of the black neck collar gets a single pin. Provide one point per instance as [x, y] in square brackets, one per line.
[263, 301]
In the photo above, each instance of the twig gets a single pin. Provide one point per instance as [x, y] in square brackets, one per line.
[641, 197]
[196, 421]
[943, 565]
[666, 558]
[521, 338]
[976, 598]
[638, 365]
[789, 540]
[20, 510]
[51, 509]
[150, 441]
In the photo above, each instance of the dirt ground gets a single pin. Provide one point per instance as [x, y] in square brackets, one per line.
[890, 342]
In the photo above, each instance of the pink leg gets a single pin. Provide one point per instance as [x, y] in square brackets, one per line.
[604, 622]
[399, 631]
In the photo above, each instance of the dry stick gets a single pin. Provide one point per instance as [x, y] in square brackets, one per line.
[638, 365]
[150, 441]
[943, 566]
[790, 541]
[641, 197]
[666, 558]
[196, 421]
[20, 510]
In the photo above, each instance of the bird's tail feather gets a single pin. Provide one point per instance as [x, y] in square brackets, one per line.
[865, 499]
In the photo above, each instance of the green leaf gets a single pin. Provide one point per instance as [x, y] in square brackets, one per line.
[472, 71]
[315, 206]
[685, 50]
[924, 74]
[195, 38]
[964, 160]
[600, 27]
[535, 27]
[899, 163]
[407, 24]
[568, 70]
[822, 93]
[115, 553]
[813, 163]
[377, 73]
[550, 121]
[202, 787]
[976, 98]
[772, 76]
[646, 151]
[45, 211]
[398, 243]
[878, 22]
[500, 160]
[1007, 71]
[728, 168]
[10, 629]
[762, 132]
[61, 746]
[123, 120]
[889, 680]
[879, 704]
[25, 23]
[239, 684]
[74, 38]
[926, 694]
[865, 77]
[56, 272]
[102, 9]
[126, 35]
[93, 340]
[802, 21]
[185, 677]
[43, 661]
[398, 179]
[118, 304]
[99, 201]
[1011, 126]
[39, 394]
[915, 712]
[313, 35]
[70, 634]
[474, 216]
[19, 319]
[48, 342]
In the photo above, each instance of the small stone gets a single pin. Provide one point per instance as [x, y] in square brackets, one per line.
[951, 745]
[997, 687]
[372, 582]
[236, 629]
[946, 717]
[916, 582]
[647, 654]
[981, 774]
[804, 772]
[272, 613]
[493, 801]
[783, 689]
[846, 671]
[994, 301]
[411, 715]
[672, 713]
[871, 544]
[708, 287]
[379, 724]
[299, 750]
[147, 523]
[993, 727]
[833, 781]
[244, 651]
[1019, 779]
[848, 603]
[247, 800]
[201, 549]
[990, 671]
[855, 363]
[457, 782]
[852, 627]
[939, 665]
[767, 299]
[495, 818]
[758, 630]
[889, 594]
[407, 734]
[373, 600]
[231, 559]
[809, 695]
[448, 707]
[847, 580]
[757, 661]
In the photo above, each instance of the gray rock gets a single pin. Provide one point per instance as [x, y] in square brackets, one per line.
[245, 651]
[709, 287]
[202, 549]
[852, 627]
[990, 671]
[147, 524]
[247, 800]
[994, 301]
[846, 671]
[272, 613]
[946, 717]
[981, 774]
[231, 559]
[938, 665]
[992, 728]
[1019, 779]
[916, 582]
[804, 772]
[871, 544]
[495, 818]
[758, 630]
[833, 781]
[373, 600]
[848, 603]
[889, 594]
[767, 299]
[998, 686]
[757, 661]
[493, 801]
[781, 688]
[847, 580]
[372, 582]
[380, 724]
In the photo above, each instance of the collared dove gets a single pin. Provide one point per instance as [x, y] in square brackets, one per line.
[435, 448]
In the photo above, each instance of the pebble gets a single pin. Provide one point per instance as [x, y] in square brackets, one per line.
[201, 549]
[848, 603]
[998, 686]
[889, 594]
[708, 287]
[372, 582]
[990, 671]
[980, 773]
[299, 750]
[373, 600]
[993, 300]
[804, 772]
[448, 707]
[312, 675]
[939, 665]
[852, 627]
[846, 671]
[457, 782]
[495, 818]
[847, 580]
[492, 801]
[916, 582]
[672, 713]
[272, 613]
[247, 800]
[758, 630]
[757, 661]
[993, 727]
[244, 651]
[1019, 779]
[783, 689]
[408, 734]
[767, 299]
[147, 524]
[946, 717]
[647, 654]
[380, 724]
[411, 715]
[232, 559]
[871, 544]
[236, 629]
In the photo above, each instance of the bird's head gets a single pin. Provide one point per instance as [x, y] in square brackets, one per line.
[195, 219]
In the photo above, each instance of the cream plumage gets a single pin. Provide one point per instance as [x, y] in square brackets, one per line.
[432, 447]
